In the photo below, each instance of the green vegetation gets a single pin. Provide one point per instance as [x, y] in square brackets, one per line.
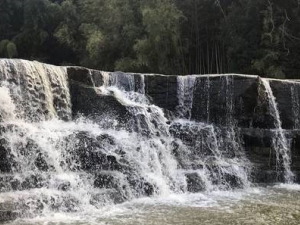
[161, 36]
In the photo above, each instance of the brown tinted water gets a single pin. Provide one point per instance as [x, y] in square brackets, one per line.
[269, 205]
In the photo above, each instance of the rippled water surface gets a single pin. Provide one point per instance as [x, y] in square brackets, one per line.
[279, 204]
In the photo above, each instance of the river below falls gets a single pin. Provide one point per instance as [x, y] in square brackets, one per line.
[278, 204]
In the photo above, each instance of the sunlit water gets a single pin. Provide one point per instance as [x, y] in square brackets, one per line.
[279, 204]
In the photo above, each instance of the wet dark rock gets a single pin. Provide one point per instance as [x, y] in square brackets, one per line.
[114, 180]
[105, 180]
[107, 196]
[87, 102]
[6, 216]
[194, 183]
[141, 186]
[80, 74]
[213, 96]
[266, 176]
[231, 181]
[148, 188]
[260, 151]
[201, 138]
[63, 204]
[41, 162]
[93, 153]
[10, 182]
[64, 186]
[33, 181]
[5, 164]
[162, 90]
[287, 96]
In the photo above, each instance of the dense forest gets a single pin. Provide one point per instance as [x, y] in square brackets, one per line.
[160, 36]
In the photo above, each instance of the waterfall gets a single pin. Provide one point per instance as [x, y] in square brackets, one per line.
[229, 85]
[215, 157]
[79, 166]
[56, 161]
[203, 152]
[185, 89]
[295, 106]
[280, 143]
[39, 91]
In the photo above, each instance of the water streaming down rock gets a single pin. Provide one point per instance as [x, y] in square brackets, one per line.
[39, 91]
[213, 156]
[280, 142]
[209, 161]
[185, 89]
[86, 138]
[56, 166]
[295, 106]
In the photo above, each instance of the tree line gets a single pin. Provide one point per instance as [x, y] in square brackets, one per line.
[160, 36]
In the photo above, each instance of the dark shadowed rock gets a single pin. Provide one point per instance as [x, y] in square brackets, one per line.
[86, 101]
[6, 216]
[162, 90]
[81, 75]
[225, 99]
[287, 96]
[194, 182]
[93, 153]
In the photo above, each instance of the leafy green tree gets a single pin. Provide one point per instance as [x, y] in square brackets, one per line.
[8, 49]
[159, 50]
[110, 29]
[40, 19]
[68, 34]
[260, 37]
[241, 32]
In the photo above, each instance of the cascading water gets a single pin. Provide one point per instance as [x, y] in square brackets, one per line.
[52, 163]
[280, 143]
[295, 106]
[39, 92]
[214, 159]
[185, 89]
[54, 166]
[38, 171]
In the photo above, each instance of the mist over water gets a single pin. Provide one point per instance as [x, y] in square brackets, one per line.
[86, 171]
